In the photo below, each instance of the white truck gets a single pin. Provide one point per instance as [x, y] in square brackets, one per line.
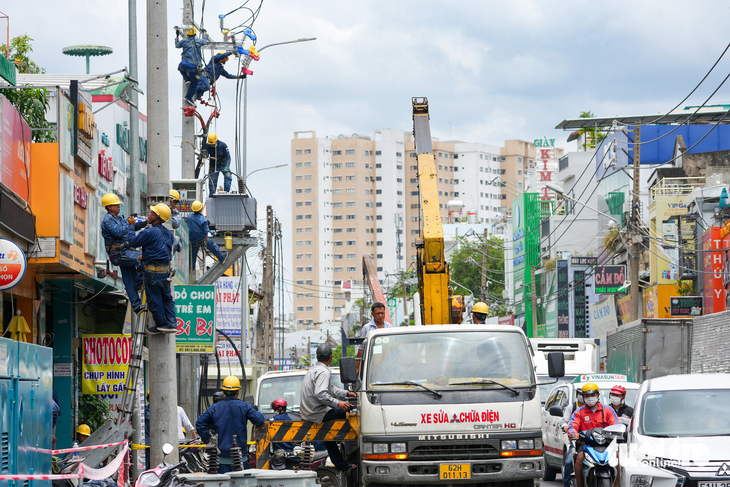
[679, 434]
[581, 357]
[447, 404]
[287, 385]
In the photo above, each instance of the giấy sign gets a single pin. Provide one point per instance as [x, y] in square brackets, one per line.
[195, 310]
[105, 363]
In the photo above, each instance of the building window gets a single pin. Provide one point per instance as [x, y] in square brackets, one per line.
[338, 269]
[300, 230]
[349, 164]
[299, 243]
[310, 295]
[380, 242]
[336, 165]
[307, 242]
[338, 243]
[309, 282]
[378, 191]
[300, 308]
[399, 193]
[351, 269]
[338, 256]
[336, 152]
[307, 151]
[307, 269]
[519, 172]
[300, 256]
[298, 164]
[350, 217]
[307, 177]
[350, 191]
[519, 185]
[337, 191]
[351, 230]
[380, 230]
[300, 217]
[337, 230]
[298, 178]
[351, 242]
[308, 217]
[414, 193]
[307, 190]
[337, 179]
[308, 230]
[414, 180]
[379, 204]
[377, 152]
[350, 178]
[399, 167]
[337, 204]
[299, 151]
[307, 164]
[378, 178]
[299, 203]
[310, 308]
[307, 256]
[352, 256]
[307, 203]
[337, 217]
[379, 217]
[398, 154]
[519, 159]
[415, 219]
[378, 166]
[299, 191]
[349, 151]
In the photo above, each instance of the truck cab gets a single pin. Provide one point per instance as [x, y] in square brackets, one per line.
[581, 357]
[446, 403]
[287, 385]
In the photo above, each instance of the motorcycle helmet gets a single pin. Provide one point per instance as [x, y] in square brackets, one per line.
[278, 403]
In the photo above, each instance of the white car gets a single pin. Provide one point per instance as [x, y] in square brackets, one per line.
[554, 439]
[680, 435]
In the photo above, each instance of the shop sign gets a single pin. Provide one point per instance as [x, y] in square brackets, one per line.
[105, 364]
[12, 264]
[685, 306]
[545, 165]
[712, 264]
[106, 167]
[583, 261]
[563, 300]
[195, 310]
[609, 279]
[15, 138]
[228, 318]
[81, 196]
[579, 303]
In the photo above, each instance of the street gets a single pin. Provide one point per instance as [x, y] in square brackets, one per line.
[558, 482]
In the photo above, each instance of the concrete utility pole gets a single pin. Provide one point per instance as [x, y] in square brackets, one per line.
[484, 267]
[162, 373]
[534, 302]
[265, 328]
[187, 362]
[635, 253]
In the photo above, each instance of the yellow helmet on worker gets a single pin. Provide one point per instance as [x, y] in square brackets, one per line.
[192, 31]
[231, 383]
[212, 138]
[84, 430]
[162, 210]
[196, 206]
[590, 387]
[481, 308]
[174, 195]
[110, 199]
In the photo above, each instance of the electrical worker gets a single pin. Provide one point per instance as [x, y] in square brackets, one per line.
[320, 401]
[191, 64]
[116, 230]
[220, 162]
[82, 432]
[279, 407]
[175, 216]
[156, 242]
[229, 417]
[564, 424]
[213, 70]
[199, 232]
[479, 313]
[592, 415]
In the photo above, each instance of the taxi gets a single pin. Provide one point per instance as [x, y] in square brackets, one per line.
[555, 441]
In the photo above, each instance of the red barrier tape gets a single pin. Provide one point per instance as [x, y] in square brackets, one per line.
[87, 448]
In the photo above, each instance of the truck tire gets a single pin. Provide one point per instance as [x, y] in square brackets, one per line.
[549, 473]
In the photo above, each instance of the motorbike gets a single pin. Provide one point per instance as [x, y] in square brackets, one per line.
[600, 461]
[163, 475]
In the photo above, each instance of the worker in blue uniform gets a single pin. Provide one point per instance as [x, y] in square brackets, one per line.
[156, 242]
[199, 231]
[228, 417]
[116, 230]
[191, 64]
[214, 70]
[176, 216]
[220, 162]
[279, 407]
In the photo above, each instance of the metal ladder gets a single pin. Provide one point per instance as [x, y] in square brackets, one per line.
[139, 326]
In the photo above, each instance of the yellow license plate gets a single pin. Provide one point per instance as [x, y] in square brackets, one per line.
[454, 471]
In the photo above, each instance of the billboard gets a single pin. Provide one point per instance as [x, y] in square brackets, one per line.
[228, 319]
[195, 311]
[609, 279]
[105, 363]
[15, 139]
[665, 255]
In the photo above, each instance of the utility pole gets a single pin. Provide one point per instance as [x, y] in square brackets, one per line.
[635, 253]
[187, 364]
[533, 298]
[484, 267]
[266, 309]
[162, 373]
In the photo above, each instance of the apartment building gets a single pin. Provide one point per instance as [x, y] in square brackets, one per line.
[359, 195]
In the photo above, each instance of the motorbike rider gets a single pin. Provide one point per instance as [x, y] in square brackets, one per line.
[592, 415]
[279, 407]
[618, 398]
[564, 424]
[227, 418]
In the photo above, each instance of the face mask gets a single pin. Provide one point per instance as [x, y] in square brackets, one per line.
[579, 399]
[591, 401]
[615, 400]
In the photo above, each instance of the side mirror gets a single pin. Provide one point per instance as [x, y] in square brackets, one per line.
[348, 370]
[556, 364]
[167, 448]
[556, 411]
[248, 398]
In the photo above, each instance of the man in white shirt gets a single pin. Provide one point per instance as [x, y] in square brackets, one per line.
[183, 422]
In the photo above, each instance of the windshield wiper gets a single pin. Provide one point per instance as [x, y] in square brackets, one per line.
[410, 383]
[486, 381]
[663, 436]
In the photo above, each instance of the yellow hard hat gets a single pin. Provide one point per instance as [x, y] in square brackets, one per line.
[110, 199]
[212, 138]
[196, 206]
[162, 210]
[231, 383]
[84, 429]
[174, 195]
[480, 308]
[192, 31]
[590, 387]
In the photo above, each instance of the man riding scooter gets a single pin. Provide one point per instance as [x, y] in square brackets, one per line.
[592, 415]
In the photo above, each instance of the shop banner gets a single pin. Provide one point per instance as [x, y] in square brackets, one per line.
[228, 319]
[194, 307]
[15, 138]
[105, 364]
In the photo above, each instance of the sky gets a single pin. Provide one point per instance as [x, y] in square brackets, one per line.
[492, 70]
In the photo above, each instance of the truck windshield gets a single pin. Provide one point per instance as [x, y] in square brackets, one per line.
[287, 387]
[443, 360]
[685, 413]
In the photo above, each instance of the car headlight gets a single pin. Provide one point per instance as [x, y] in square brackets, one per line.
[538, 443]
[509, 445]
[149, 479]
[641, 480]
[367, 448]
[398, 448]
[526, 444]
[380, 448]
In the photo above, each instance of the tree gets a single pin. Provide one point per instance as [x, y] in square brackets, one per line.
[593, 135]
[337, 354]
[32, 103]
[466, 272]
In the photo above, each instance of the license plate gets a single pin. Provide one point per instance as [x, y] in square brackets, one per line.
[713, 484]
[457, 471]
